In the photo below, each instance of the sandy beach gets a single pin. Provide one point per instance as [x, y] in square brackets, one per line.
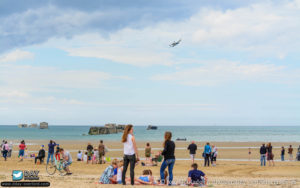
[233, 166]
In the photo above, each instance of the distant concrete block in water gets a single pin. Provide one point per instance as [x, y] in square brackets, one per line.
[43, 125]
[22, 125]
[110, 128]
[33, 125]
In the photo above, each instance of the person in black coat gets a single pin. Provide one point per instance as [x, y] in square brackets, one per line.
[169, 158]
[41, 155]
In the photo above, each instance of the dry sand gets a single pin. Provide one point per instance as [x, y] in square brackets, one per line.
[226, 174]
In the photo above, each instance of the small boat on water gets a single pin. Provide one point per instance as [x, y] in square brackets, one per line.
[180, 139]
[151, 127]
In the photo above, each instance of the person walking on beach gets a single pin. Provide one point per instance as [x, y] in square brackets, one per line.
[148, 153]
[22, 147]
[263, 152]
[5, 149]
[10, 149]
[214, 155]
[169, 158]
[290, 152]
[89, 149]
[207, 153]
[249, 154]
[51, 146]
[270, 155]
[192, 147]
[282, 153]
[101, 151]
[130, 153]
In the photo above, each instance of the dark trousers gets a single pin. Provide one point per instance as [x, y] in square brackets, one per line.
[40, 158]
[206, 160]
[128, 159]
[5, 154]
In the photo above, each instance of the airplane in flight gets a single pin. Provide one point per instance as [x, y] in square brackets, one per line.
[175, 43]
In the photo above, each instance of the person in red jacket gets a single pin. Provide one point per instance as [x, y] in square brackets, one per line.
[22, 147]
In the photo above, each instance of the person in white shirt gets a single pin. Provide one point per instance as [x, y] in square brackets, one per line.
[214, 155]
[79, 156]
[130, 153]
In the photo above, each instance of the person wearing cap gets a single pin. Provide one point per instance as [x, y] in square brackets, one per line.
[57, 155]
[41, 155]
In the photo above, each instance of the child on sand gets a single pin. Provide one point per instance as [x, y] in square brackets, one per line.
[146, 178]
[22, 147]
[85, 158]
[119, 172]
[107, 175]
[57, 154]
[196, 177]
[79, 156]
[94, 158]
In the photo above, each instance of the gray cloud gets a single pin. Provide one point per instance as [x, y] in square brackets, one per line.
[32, 21]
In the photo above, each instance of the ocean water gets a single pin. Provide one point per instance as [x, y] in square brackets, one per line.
[197, 133]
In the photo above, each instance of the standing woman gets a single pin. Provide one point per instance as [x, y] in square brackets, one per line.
[169, 158]
[130, 153]
[207, 153]
[270, 155]
[5, 149]
[51, 146]
[148, 152]
[22, 147]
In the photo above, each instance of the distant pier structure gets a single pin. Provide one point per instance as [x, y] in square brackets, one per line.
[43, 125]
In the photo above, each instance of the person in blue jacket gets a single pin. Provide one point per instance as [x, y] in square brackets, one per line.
[207, 153]
[51, 146]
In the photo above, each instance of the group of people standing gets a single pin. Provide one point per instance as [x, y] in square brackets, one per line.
[266, 152]
[209, 154]
[6, 149]
[93, 155]
[131, 158]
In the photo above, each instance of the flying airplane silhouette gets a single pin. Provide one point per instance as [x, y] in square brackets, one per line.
[175, 43]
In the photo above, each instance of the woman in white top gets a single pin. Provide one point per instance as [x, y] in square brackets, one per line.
[130, 153]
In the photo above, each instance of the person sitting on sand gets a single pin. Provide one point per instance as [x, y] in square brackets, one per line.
[145, 179]
[119, 172]
[107, 175]
[67, 160]
[196, 177]
[22, 147]
[79, 156]
[85, 158]
[41, 155]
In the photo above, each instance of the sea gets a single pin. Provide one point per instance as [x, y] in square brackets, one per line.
[196, 133]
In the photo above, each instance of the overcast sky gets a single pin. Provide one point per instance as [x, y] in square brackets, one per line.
[93, 62]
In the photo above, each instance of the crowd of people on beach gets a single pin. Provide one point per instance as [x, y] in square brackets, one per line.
[115, 173]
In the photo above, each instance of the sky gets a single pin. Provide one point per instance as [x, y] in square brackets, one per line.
[95, 62]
